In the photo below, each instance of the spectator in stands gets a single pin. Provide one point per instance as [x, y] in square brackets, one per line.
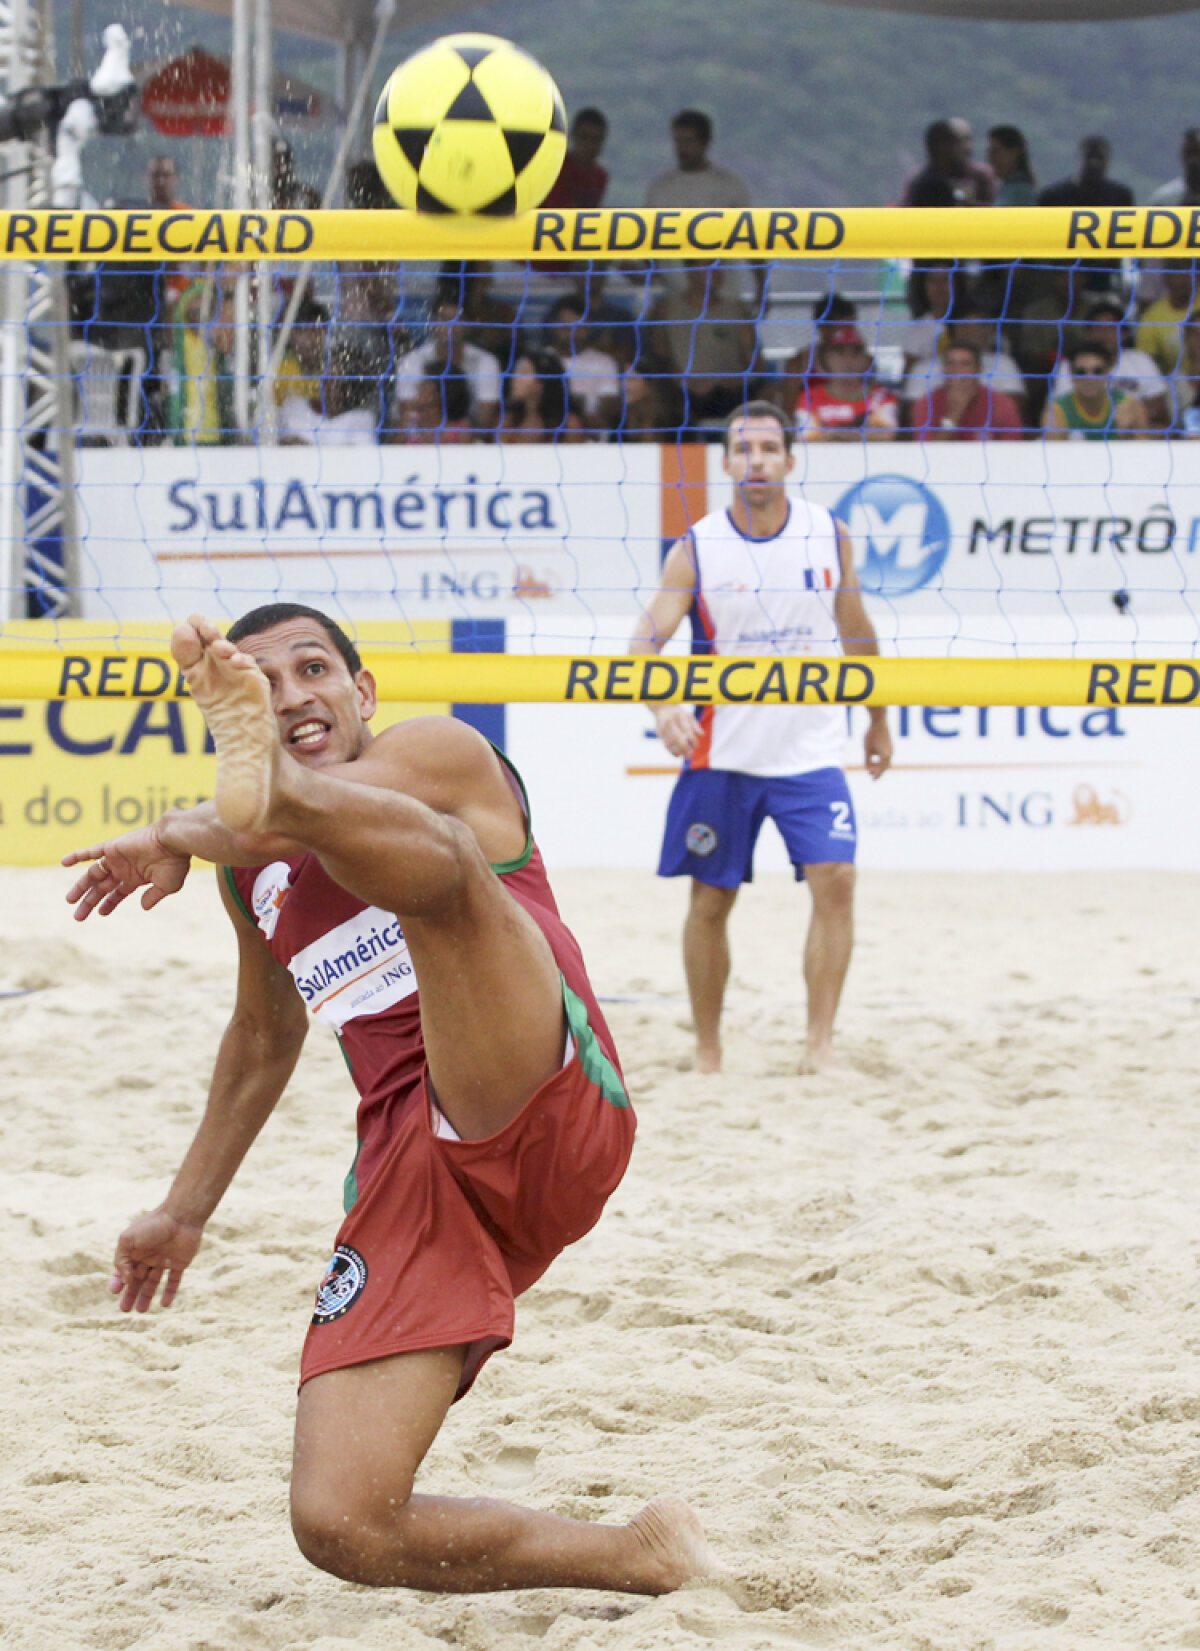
[828, 311]
[949, 177]
[365, 189]
[1185, 189]
[326, 405]
[999, 372]
[709, 342]
[1159, 328]
[964, 406]
[162, 195]
[1187, 384]
[1049, 328]
[441, 409]
[937, 291]
[368, 338]
[200, 405]
[983, 179]
[1091, 186]
[488, 321]
[1008, 157]
[1092, 410]
[582, 181]
[537, 406]
[843, 404]
[1134, 371]
[447, 341]
[593, 377]
[695, 182]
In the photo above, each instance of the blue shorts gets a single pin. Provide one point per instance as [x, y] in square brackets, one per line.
[714, 818]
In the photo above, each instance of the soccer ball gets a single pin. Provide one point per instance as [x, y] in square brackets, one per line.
[471, 124]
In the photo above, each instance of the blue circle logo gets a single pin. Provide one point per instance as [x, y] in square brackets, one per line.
[903, 532]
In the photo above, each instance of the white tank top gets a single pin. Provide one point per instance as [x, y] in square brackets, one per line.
[768, 596]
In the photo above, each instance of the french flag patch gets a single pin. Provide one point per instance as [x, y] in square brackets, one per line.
[818, 578]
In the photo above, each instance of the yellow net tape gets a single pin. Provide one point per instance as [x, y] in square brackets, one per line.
[40, 673]
[665, 232]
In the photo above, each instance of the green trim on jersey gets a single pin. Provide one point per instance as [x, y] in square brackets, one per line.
[227, 874]
[592, 1058]
[522, 859]
[1090, 428]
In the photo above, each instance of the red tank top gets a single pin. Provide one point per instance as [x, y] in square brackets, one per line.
[351, 966]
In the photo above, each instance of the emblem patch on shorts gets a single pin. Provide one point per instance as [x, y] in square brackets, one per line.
[345, 1280]
[701, 839]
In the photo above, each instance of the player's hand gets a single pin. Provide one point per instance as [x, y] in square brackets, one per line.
[678, 729]
[877, 748]
[137, 860]
[151, 1245]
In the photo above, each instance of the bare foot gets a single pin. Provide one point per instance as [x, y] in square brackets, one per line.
[673, 1540]
[708, 1058]
[818, 1057]
[235, 698]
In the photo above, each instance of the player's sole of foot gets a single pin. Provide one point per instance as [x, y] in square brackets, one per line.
[235, 699]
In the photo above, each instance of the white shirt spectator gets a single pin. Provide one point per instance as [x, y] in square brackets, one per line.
[479, 367]
[593, 376]
[299, 422]
[708, 185]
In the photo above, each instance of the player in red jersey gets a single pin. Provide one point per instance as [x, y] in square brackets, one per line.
[391, 885]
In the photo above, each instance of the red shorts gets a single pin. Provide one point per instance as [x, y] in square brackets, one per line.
[447, 1233]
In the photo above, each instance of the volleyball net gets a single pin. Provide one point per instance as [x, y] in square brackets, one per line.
[490, 432]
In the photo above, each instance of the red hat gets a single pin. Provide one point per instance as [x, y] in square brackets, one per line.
[845, 334]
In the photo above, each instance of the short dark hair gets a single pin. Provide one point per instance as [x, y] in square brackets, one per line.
[697, 121]
[1090, 347]
[760, 409]
[589, 117]
[969, 345]
[278, 613]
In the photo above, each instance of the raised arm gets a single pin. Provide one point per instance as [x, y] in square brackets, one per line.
[675, 725]
[858, 637]
[257, 1056]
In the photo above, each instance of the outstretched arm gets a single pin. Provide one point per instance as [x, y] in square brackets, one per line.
[667, 609]
[257, 1056]
[858, 637]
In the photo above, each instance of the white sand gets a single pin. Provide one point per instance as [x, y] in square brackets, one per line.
[919, 1343]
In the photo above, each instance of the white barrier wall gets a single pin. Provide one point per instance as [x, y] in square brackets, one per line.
[965, 548]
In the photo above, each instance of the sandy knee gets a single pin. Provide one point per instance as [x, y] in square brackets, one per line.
[349, 1539]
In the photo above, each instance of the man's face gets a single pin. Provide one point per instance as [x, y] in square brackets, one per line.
[1089, 374]
[321, 710]
[757, 460]
[1180, 287]
[845, 360]
[1094, 157]
[309, 345]
[690, 148]
[568, 334]
[161, 182]
[587, 141]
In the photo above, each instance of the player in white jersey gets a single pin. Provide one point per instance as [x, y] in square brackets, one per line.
[770, 575]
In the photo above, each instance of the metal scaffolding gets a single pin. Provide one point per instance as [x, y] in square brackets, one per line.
[38, 500]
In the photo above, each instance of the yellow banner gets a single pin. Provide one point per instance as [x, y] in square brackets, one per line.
[200, 235]
[77, 769]
[100, 677]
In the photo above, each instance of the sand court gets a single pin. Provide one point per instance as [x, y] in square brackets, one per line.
[918, 1340]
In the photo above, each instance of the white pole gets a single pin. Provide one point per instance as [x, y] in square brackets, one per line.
[264, 125]
[239, 99]
[14, 350]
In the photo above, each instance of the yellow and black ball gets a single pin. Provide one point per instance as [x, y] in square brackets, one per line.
[470, 125]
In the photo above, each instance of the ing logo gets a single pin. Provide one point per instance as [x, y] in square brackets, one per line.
[903, 528]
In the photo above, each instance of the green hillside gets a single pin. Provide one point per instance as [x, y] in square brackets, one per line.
[815, 105]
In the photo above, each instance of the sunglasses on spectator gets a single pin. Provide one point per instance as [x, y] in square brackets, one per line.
[1098, 371]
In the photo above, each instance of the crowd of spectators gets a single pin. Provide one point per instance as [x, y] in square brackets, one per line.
[995, 350]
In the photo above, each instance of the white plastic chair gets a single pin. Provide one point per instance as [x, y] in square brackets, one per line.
[108, 393]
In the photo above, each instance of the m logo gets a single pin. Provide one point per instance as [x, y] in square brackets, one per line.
[903, 528]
